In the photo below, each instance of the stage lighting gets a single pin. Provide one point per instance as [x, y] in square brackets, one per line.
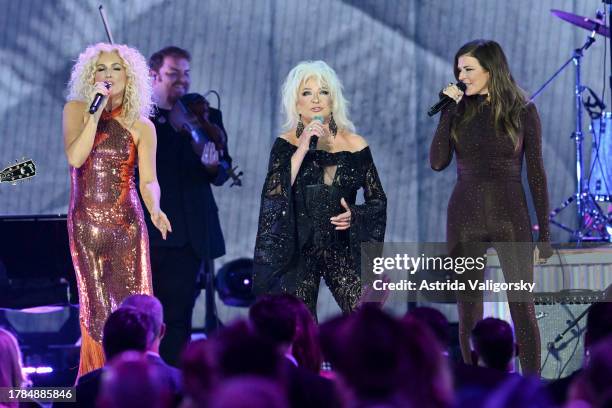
[38, 370]
[234, 283]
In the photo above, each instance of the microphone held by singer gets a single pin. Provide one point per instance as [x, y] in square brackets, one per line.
[95, 104]
[445, 100]
[314, 139]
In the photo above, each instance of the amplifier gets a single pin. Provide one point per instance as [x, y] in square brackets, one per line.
[562, 320]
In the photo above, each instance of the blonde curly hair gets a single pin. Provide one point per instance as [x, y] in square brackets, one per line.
[137, 99]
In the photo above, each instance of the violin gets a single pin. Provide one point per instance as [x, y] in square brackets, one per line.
[190, 115]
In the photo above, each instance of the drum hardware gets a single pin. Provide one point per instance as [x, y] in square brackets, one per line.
[591, 220]
[600, 185]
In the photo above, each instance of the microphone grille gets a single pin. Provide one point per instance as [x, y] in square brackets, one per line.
[461, 86]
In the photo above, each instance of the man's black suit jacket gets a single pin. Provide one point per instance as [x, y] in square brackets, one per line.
[186, 194]
[88, 386]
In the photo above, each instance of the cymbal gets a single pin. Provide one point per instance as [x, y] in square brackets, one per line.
[590, 24]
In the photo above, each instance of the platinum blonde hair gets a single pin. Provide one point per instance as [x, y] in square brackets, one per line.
[137, 100]
[325, 75]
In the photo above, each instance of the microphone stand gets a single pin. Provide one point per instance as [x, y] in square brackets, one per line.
[211, 320]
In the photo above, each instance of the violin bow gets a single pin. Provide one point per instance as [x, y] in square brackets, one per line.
[105, 22]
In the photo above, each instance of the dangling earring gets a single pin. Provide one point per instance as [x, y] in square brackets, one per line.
[332, 125]
[300, 127]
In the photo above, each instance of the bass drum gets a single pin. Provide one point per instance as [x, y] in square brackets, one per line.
[600, 174]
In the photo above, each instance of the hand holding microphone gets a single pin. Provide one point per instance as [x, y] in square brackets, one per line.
[315, 138]
[312, 132]
[451, 94]
[102, 92]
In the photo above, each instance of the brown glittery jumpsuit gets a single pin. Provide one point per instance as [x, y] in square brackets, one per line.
[488, 205]
[108, 238]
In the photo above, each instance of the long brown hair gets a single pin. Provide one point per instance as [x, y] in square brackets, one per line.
[507, 99]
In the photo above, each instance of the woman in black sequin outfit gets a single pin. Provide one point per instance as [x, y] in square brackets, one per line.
[491, 128]
[309, 224]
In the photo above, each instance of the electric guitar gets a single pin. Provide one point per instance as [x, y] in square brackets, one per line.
[18, 172]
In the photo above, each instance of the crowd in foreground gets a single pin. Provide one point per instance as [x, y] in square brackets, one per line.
[279, 357]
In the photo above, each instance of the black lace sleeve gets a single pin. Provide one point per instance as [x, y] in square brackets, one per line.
[276, 236]
[369, 220]
[441, 150]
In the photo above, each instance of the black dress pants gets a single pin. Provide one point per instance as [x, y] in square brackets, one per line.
[175, 272]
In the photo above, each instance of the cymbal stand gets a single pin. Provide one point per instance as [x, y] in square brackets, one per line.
[590, 218]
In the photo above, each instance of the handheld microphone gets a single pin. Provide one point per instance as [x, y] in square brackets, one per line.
[444, 101]
[95, 104]
[312, 146]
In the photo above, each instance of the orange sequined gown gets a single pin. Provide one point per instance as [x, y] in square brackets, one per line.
[108, 237]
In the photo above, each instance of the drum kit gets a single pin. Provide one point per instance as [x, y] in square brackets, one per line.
[593, 224]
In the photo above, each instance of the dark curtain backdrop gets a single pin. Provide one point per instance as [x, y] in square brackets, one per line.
[392, 55]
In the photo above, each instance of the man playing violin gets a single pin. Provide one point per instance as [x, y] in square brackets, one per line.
[185, 178]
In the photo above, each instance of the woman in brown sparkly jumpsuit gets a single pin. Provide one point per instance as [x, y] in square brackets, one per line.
[108, 238]
[309, 224]
[491, 128]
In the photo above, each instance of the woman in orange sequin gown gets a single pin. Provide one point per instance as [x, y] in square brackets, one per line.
[108, 238]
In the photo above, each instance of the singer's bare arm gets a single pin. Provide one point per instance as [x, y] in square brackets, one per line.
[147, 174]
[80, 126]
[79, 131]
[146, 144]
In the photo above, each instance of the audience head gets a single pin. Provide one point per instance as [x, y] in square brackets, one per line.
[150, 306]
[517, 391]
[493, 343]
[386, 360]
[240, 351]
[11, 374]
[599, 323]
[199, 370]
[425, 365]
[249, 392]
[305, 348]
[273, 318]
[126, 329]
[436, 321]
[330, 333]
[368, 353]
[131, 381]
[593, 385]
